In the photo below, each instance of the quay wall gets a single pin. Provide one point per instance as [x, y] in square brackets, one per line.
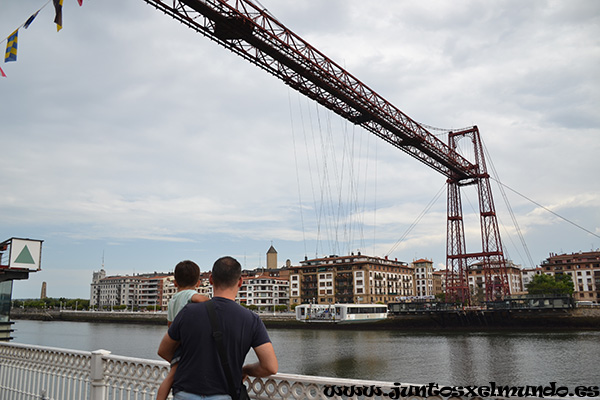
[90, 316]
[578, 318]
[552, 319]
[154, 318]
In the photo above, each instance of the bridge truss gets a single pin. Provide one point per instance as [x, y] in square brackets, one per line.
[250, 32]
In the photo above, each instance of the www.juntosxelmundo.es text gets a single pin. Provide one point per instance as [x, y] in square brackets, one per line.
[433, 389]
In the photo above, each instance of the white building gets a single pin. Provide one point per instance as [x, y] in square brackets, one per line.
[423, 277]
[264, 292]
[113, 290]
[527, 275]
[131, 291]
[169, 289]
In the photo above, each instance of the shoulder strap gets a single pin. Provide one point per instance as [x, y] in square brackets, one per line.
[218, 337]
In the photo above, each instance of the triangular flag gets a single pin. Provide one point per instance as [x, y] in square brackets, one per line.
[80, 2]
[30, 20]
[2, 73]
[58, 18]
[11, 47]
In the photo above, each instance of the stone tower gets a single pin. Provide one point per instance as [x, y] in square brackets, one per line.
[272, 258]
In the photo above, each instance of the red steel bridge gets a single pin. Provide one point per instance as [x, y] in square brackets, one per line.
[250, 32]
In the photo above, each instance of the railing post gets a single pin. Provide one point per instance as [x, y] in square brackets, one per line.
[98, 390]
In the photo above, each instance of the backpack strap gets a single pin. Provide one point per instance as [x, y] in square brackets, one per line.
[218, 337]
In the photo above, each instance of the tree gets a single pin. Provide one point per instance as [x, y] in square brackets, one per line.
[551, 284]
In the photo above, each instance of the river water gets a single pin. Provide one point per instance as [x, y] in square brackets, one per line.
[452, 358]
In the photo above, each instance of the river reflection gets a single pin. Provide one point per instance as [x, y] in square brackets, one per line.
[449, 358]
[337, 353]
[452, 358]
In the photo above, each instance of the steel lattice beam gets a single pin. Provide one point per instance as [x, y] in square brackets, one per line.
[253, 34]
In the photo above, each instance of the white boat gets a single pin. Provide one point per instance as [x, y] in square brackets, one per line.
[341, 313]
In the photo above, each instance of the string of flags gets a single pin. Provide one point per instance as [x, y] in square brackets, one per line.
[13, 39]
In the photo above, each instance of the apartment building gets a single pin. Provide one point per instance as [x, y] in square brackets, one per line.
[527, 275]
[150, 291]
[156, 290]
[112, 291]
[439, 282]
[169, 289]
[132, 291]
[423, 270]
[355, 278]
[584, 270]
[350, 279]
[476, 278]
[265, 292]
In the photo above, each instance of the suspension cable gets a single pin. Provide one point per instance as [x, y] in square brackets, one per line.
[547, 209]
[496, 178]
[297, 174]
[418, 219]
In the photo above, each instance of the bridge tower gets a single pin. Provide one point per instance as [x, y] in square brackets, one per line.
[491, 257]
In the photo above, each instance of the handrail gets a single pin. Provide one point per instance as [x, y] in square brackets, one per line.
[31, 372]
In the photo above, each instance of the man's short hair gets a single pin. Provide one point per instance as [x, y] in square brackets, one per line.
[226, 272]
[187, 274]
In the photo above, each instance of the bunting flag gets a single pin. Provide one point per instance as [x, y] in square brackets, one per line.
[80, 2]
[11, 47]
[58, 18]
[2, 73]
[30, 20]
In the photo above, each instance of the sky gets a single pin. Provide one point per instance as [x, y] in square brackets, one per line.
[130, 142]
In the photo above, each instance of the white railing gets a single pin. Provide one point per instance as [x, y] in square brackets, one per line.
[30, 372]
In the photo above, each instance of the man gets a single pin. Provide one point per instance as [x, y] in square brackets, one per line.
[200, 374]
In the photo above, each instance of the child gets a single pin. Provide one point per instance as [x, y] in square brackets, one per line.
[187, 276]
